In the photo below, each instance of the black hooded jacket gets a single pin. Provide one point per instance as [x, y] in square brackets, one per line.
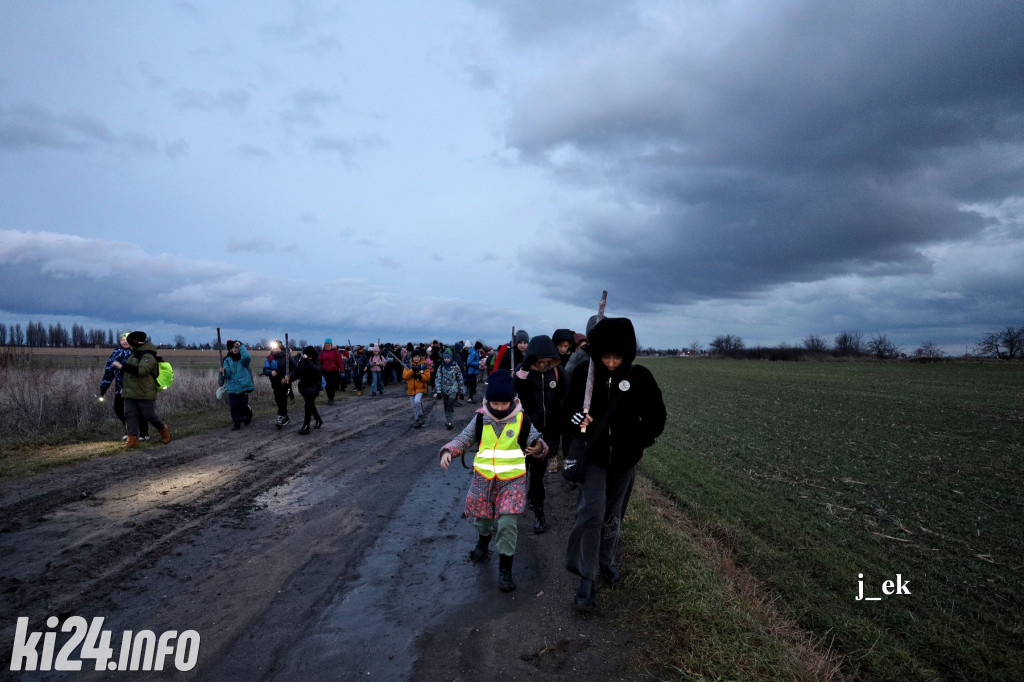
[542, 393]
[640, 415]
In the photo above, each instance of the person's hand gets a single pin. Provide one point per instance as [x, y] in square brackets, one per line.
[273, 372]
[536, 449]
[286, 380]
[446, 459]
[523, 374]
[117, 364]
[222, 370]
[582, 419]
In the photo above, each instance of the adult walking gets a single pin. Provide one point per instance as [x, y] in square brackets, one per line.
[307, 372]
[140, 388]
[332, 365]
[114, 376]
[238, 383]
[626, 414]
[274, 368]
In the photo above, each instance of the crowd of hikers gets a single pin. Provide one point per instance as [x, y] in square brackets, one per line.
[580, 394]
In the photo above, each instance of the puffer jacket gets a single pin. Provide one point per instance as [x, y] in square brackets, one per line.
[332, 360]
[237, 377]
[112, 374]
[640, 415]
[417, 378]
[449, 379]
[140, 373]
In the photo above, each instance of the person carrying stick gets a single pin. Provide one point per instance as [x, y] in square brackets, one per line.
[624, 412]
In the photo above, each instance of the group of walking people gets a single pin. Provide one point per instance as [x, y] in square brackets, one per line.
[542, 394]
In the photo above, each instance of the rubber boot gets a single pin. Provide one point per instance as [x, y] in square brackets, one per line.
[165, 434]
[540, 524]
[131, 442]
[505, 582]
[480, 553]
[584, 599]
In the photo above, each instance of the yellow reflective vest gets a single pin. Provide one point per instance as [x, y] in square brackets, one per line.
[500, 455]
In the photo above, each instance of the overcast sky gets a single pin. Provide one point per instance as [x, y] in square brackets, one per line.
[412, 170]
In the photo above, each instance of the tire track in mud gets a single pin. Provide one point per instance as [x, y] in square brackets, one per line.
[85, 529]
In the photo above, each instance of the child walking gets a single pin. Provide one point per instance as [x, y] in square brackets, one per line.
[541, 387]
[376, 365]
[417, 379]
[449, 384]
[505, 438]
[308, 373]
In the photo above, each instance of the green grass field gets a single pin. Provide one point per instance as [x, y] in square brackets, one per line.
[811, 473]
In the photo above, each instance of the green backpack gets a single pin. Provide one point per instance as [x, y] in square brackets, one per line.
[164, 375]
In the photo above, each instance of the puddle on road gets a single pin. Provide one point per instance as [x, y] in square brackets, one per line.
[415, 573]
[297, 494]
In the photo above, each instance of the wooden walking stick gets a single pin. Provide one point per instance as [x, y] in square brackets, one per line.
[589, 390]
[220, 357]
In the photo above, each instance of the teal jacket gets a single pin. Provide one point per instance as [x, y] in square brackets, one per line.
[237, 377]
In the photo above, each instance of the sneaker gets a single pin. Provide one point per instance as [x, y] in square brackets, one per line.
[124, 437]
[611, 575]
[248, 418]
[304, 431]
[448, 425]
[143, 439]
[418, 423]
[330, 402]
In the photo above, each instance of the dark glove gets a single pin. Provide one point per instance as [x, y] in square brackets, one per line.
[578, 418]
[103, 390]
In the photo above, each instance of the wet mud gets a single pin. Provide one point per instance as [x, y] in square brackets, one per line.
[337, 555]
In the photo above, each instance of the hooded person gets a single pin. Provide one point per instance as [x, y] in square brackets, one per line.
[626, 415]
[505, 439]
[540, 385]
[140, 388]
[565, 342]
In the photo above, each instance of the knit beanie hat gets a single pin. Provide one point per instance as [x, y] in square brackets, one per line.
[328, 341]
[499, 387]
[522, 336]
[447, 353]
[137, 338]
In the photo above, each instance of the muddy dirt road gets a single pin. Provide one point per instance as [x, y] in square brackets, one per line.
[337, 555]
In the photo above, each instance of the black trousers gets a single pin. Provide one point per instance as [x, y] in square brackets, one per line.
[600, 507]
[333, 380]
[138, 411]
[119, 411]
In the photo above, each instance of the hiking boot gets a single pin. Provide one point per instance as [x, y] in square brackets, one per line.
[359, 392]
[319, 423]
[480, 553]
[505, 582]
[131, 442]
[584, 600]
[304, 431]
[165, 434]
[540, 524]
[611, 575]
[248, 418]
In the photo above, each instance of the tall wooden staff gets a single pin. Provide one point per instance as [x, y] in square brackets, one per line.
[287, 366]
[589, 390]
[220, 356]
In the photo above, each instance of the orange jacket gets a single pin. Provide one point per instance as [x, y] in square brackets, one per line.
[414, 385]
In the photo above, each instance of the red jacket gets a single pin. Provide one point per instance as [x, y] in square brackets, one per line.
[332, 360]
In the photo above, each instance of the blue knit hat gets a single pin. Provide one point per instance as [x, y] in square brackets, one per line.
[499, 387]
[328, 341]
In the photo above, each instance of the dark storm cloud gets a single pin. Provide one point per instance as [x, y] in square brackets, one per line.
[788, 142]
[29, 126]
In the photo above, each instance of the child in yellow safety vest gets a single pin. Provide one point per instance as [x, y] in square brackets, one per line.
[497, 495]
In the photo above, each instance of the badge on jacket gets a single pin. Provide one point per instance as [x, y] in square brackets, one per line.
[624, 385]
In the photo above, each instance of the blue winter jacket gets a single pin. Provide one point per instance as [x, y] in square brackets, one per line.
[237, 377]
